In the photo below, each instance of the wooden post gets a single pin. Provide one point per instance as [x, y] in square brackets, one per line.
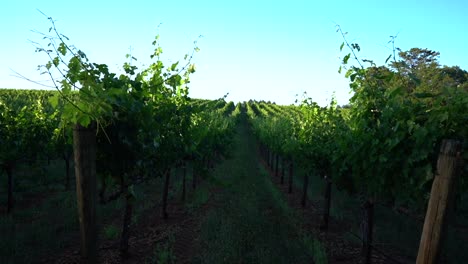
[267, 156]
[102, 191]
[10, 201]
[367, 231]
[327, 202]
[430, 244]
[165, 193]
[127, 221]
[84, 144]
[272, 160]
[283, 167]
[291, 166]
[262, 150]
[194, 176]
[276, 165]
[304, 190]
[184, 171]
[66, 158]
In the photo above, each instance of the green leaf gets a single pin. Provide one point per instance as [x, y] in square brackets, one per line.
[174, 66]
[53, 100]
[191, 68]
[341, 46]
[346, 58]
[356, 46]
[56, 61]
[62, 49]
[158, 51]
[84, 120]
[395, 91]
[444, 116]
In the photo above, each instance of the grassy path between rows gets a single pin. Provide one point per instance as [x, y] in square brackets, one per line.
[250, 221]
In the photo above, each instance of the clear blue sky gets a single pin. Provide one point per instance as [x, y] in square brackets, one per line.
[270, 50]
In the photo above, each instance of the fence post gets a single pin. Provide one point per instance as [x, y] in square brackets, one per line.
[291, 166]
[84, 145]
[283, 168]
[430, 244]
[327, 202]
[276, 164]
[367, 228]
[184, 175]
[304, 189]
[165, 193]
[10, 201]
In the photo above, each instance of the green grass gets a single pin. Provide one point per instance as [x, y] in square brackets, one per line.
[199, 198]
[315, 246]
[392, 230]
[163, 253]
[251, 222]
[43, 217]
[48, 225]
[37, 231]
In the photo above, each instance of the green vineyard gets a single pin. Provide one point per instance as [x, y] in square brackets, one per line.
[129, 168]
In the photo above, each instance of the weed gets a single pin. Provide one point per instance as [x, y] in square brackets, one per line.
[111, 231]
[163, 253]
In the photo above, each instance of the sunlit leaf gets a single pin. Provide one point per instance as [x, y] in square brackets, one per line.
[56, 61]
[346, 58]
[54, 100]
[62, 49]
[174, 66]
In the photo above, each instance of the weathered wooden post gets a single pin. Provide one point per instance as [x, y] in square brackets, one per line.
[194, 176]
[304, 189]
[10, 201]
[276, 164]
[167, 176]
[184, 175]
[447, 163]
[327, 202]
[367, 229]
[126, 223]
[283, 168]
[291, 167]
[84, 145]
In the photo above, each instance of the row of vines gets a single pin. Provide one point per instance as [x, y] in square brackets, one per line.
[122, 129]
[383, 147]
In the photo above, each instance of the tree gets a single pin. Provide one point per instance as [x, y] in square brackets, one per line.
[457, 75]
[416, 58]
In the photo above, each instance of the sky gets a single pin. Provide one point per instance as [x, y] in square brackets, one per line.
[261, 50]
